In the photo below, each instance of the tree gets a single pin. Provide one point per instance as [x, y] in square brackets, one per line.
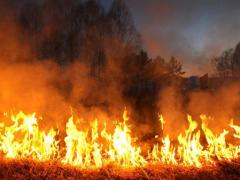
[72, 31]
[236, 60]
[224, 63]
[122, 25]
[30, 17]
[228, 63]
[175, 67]
[161, 67]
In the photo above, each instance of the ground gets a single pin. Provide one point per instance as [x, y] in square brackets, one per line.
[19, 169]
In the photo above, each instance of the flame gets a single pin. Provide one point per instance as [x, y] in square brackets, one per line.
[23, 139]
[96, 147]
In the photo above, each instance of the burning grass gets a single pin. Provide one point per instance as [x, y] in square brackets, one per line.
[23, 169]
[29, 152]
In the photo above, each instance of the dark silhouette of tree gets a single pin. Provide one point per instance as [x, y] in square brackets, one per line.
[77, 30]
[121, 24]
[236, 60]
[144, 79]
[175, 67]
[30, 17]
[228, 63]
[161, 67]
[57, 39]
[140, 88]
[224, 63]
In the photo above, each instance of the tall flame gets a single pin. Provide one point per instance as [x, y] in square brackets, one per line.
[23, 139]
[95, 148]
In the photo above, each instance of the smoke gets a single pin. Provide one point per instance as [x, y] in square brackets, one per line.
[171, 104]
[191, 31]
[57, 64]
[220, 103]
[35, 77]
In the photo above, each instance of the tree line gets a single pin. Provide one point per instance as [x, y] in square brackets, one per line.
[228, 63]
[106, 41]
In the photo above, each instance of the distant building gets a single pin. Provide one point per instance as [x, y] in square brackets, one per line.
[192, 82]
[196, 82]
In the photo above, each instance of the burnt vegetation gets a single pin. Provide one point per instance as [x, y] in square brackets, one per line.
[52, 170]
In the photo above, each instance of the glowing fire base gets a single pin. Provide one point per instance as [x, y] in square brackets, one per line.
[97, 148]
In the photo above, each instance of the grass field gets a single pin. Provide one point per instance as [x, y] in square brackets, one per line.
[22, 169]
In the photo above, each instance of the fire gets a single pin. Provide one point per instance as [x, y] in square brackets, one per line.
[23, 139]
[86, 151]
[96, 147]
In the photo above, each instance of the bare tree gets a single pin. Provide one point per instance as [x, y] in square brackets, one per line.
[236, 61]
[175, 67]
[122, 25]
[224, 63]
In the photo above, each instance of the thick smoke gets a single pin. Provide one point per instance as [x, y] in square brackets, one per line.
[74, 57]
[63, 57]
[192, 31]
[219, 103]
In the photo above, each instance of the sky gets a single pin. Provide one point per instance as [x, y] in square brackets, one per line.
[193, 31]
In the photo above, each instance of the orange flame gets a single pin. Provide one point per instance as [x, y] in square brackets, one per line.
[94, 149]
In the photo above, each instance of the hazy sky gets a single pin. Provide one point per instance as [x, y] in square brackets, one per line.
[191, 30]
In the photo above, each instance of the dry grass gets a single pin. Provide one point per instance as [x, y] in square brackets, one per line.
[19, 169]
